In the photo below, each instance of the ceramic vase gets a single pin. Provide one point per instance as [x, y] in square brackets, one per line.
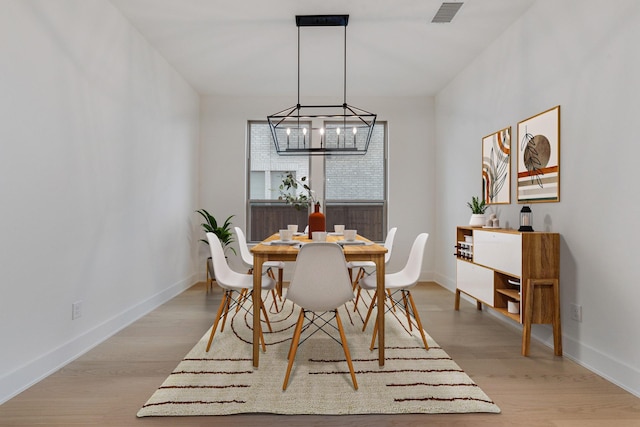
[477, 220]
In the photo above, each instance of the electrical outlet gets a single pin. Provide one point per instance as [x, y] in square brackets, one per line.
[576, 312]
[76, 310]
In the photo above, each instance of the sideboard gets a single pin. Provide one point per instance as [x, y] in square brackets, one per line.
[515, 273]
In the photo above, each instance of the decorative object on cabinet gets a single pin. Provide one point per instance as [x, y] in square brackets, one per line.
[539, 157]
[508, 268]
[477, 212]
[526, 219]
[496, 167]
[492, 221]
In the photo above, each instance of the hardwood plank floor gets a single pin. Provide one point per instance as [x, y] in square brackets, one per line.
[108, 385]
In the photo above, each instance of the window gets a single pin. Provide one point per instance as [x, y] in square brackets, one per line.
[355, 189]
[354, 186]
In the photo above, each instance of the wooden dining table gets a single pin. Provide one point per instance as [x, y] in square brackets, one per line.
[266, 251]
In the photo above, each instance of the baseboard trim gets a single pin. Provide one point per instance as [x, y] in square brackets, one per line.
[18, 380]
[606, 366]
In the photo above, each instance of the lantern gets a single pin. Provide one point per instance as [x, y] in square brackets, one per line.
[526, 219]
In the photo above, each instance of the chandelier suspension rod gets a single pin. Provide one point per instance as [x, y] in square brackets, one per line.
[298, 66]
[344, 81]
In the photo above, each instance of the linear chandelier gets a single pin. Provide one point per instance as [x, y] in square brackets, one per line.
[322, 129]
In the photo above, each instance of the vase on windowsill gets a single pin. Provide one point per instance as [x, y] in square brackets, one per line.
[316, 220]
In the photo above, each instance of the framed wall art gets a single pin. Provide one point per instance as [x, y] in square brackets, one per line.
[496, 167]
[539, 157]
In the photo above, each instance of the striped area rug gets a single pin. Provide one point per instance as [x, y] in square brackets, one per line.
[223, 381]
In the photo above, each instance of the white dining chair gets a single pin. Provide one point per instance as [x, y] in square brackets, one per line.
[401, 281]
[247, 259]
[362, 266]
[231, 281]
[320, 285]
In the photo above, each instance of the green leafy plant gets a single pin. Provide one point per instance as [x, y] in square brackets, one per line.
[289, 193]
[223, 231]
[477, 206]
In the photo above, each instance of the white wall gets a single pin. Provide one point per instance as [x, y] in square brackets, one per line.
[583, 56]
[98, 179]
[411, 163]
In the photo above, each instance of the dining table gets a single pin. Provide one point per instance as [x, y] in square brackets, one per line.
[273, 249]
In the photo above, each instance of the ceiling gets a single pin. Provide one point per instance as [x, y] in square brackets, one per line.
[249, 47]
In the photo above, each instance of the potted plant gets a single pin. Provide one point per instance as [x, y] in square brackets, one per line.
[317, 220]
[289, 192]
[478, 209]
[223, 232]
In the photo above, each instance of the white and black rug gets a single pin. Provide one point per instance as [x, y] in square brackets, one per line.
[223, 381]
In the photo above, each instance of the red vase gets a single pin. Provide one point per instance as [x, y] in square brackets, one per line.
[316, 220]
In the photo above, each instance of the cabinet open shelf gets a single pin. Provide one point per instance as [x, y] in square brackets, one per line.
[511, 293]
[504, 311]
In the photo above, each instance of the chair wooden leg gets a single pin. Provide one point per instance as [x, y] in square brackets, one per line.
[374, 336]
[295, 331]
[241, 299]
[279, 283]
[226, 311]
[266, 317]
[275, 300]
[393, 303]
[366, 320]
[417, 316]
[294, 348]
[217, 319]
[278, 287]
[345, 347]
[355, 304]
[359, 277]
[406, 309]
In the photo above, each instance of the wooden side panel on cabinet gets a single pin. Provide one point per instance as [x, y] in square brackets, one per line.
[541, 260]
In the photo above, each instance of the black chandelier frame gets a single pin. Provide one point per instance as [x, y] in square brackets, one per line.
[346, 130]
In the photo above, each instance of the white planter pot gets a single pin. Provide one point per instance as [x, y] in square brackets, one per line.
[477, 220]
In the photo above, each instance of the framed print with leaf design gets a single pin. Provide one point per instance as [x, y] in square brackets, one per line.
[496, 167]
[539, 157]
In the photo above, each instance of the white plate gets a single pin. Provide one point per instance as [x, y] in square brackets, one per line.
[335, 234]
[283, 243]
[298, 233]
[352, 242]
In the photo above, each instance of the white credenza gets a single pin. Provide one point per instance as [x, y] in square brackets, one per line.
[512, 271]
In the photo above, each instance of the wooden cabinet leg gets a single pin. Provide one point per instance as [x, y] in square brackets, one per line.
[527, 317]
[457, 301]
[557, 329]
[528, 314]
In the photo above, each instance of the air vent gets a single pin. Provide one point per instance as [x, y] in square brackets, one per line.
[446, 12]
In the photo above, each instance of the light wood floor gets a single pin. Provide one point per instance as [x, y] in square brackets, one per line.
[107, 386]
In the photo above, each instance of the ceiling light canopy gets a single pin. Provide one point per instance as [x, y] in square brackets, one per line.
[339, 129]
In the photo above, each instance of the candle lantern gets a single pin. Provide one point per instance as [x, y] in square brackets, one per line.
[526, 219]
